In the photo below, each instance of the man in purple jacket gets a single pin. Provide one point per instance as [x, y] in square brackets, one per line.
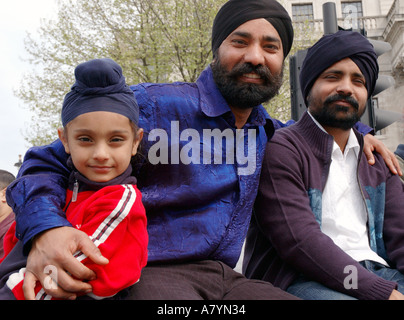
[327, 225]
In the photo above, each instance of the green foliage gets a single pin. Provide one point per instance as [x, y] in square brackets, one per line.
[153, 41]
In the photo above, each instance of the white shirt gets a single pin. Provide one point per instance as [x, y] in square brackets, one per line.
[344, 214]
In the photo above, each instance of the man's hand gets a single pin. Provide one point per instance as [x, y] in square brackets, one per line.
[396, 295]
[373, 144]
[55, 248]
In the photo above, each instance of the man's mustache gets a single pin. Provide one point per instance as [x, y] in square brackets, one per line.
[261, 70]
[345, 98]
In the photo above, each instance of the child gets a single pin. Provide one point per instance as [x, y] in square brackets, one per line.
[100, 117]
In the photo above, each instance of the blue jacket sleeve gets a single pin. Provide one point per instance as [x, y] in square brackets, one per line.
[279, 124]
[363, 128]
[38, 194]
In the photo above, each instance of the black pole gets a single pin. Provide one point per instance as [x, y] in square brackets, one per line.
[330, 18]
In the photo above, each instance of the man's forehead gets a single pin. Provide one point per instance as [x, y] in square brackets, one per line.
[346, 65]
[257, 27]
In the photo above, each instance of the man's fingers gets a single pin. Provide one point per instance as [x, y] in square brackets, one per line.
[88, 247]
[63, 286]
[368, 151]
[373, 144]
[78, 270]
[85, 248]
[396, 165]
[56, 283]
[70, 278]
[391, 161]
[52, 263]
[371, 158]
[28, 286]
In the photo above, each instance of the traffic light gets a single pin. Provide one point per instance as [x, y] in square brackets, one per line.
[380, 118]
[374, 117]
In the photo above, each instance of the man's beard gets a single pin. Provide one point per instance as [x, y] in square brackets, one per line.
[327, 114]
[246, 95]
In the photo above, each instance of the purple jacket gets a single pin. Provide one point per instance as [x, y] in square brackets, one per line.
[285, 238]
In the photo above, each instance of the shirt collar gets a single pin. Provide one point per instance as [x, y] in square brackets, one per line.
[212, 102]
[352, 140]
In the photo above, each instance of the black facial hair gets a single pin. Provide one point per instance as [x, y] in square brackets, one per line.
[245, 95]
[326, 115]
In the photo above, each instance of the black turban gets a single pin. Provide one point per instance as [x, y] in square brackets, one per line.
[236, 12]
[99, 86]
[333, 48]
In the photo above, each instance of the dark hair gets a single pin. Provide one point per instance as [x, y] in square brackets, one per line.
[5, 178]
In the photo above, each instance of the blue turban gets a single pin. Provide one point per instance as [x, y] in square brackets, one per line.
[99, 86]
[333, 48]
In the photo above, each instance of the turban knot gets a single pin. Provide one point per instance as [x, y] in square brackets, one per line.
[99, 86]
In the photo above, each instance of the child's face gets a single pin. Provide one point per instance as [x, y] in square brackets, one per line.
[101, 144]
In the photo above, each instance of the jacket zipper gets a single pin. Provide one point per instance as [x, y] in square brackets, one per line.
[75, 191]
[361, 189]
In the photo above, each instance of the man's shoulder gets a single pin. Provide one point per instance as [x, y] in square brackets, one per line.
[294, 140]
[161, 103]
[166, 97]
[284, 142]
[163, 89]
[285, 134]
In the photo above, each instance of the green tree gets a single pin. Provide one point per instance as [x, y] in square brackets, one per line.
[153, 41]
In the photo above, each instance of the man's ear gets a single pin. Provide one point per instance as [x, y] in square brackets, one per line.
[63, 137]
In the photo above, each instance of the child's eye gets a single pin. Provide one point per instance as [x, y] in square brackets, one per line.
[84, 139]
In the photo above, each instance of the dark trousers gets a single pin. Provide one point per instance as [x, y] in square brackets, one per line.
[204, 280]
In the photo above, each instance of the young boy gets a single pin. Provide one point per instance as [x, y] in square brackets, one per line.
[100, 133]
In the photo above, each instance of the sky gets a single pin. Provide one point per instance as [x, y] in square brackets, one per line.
[16, 19]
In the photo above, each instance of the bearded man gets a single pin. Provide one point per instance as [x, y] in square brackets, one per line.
[327, 225]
